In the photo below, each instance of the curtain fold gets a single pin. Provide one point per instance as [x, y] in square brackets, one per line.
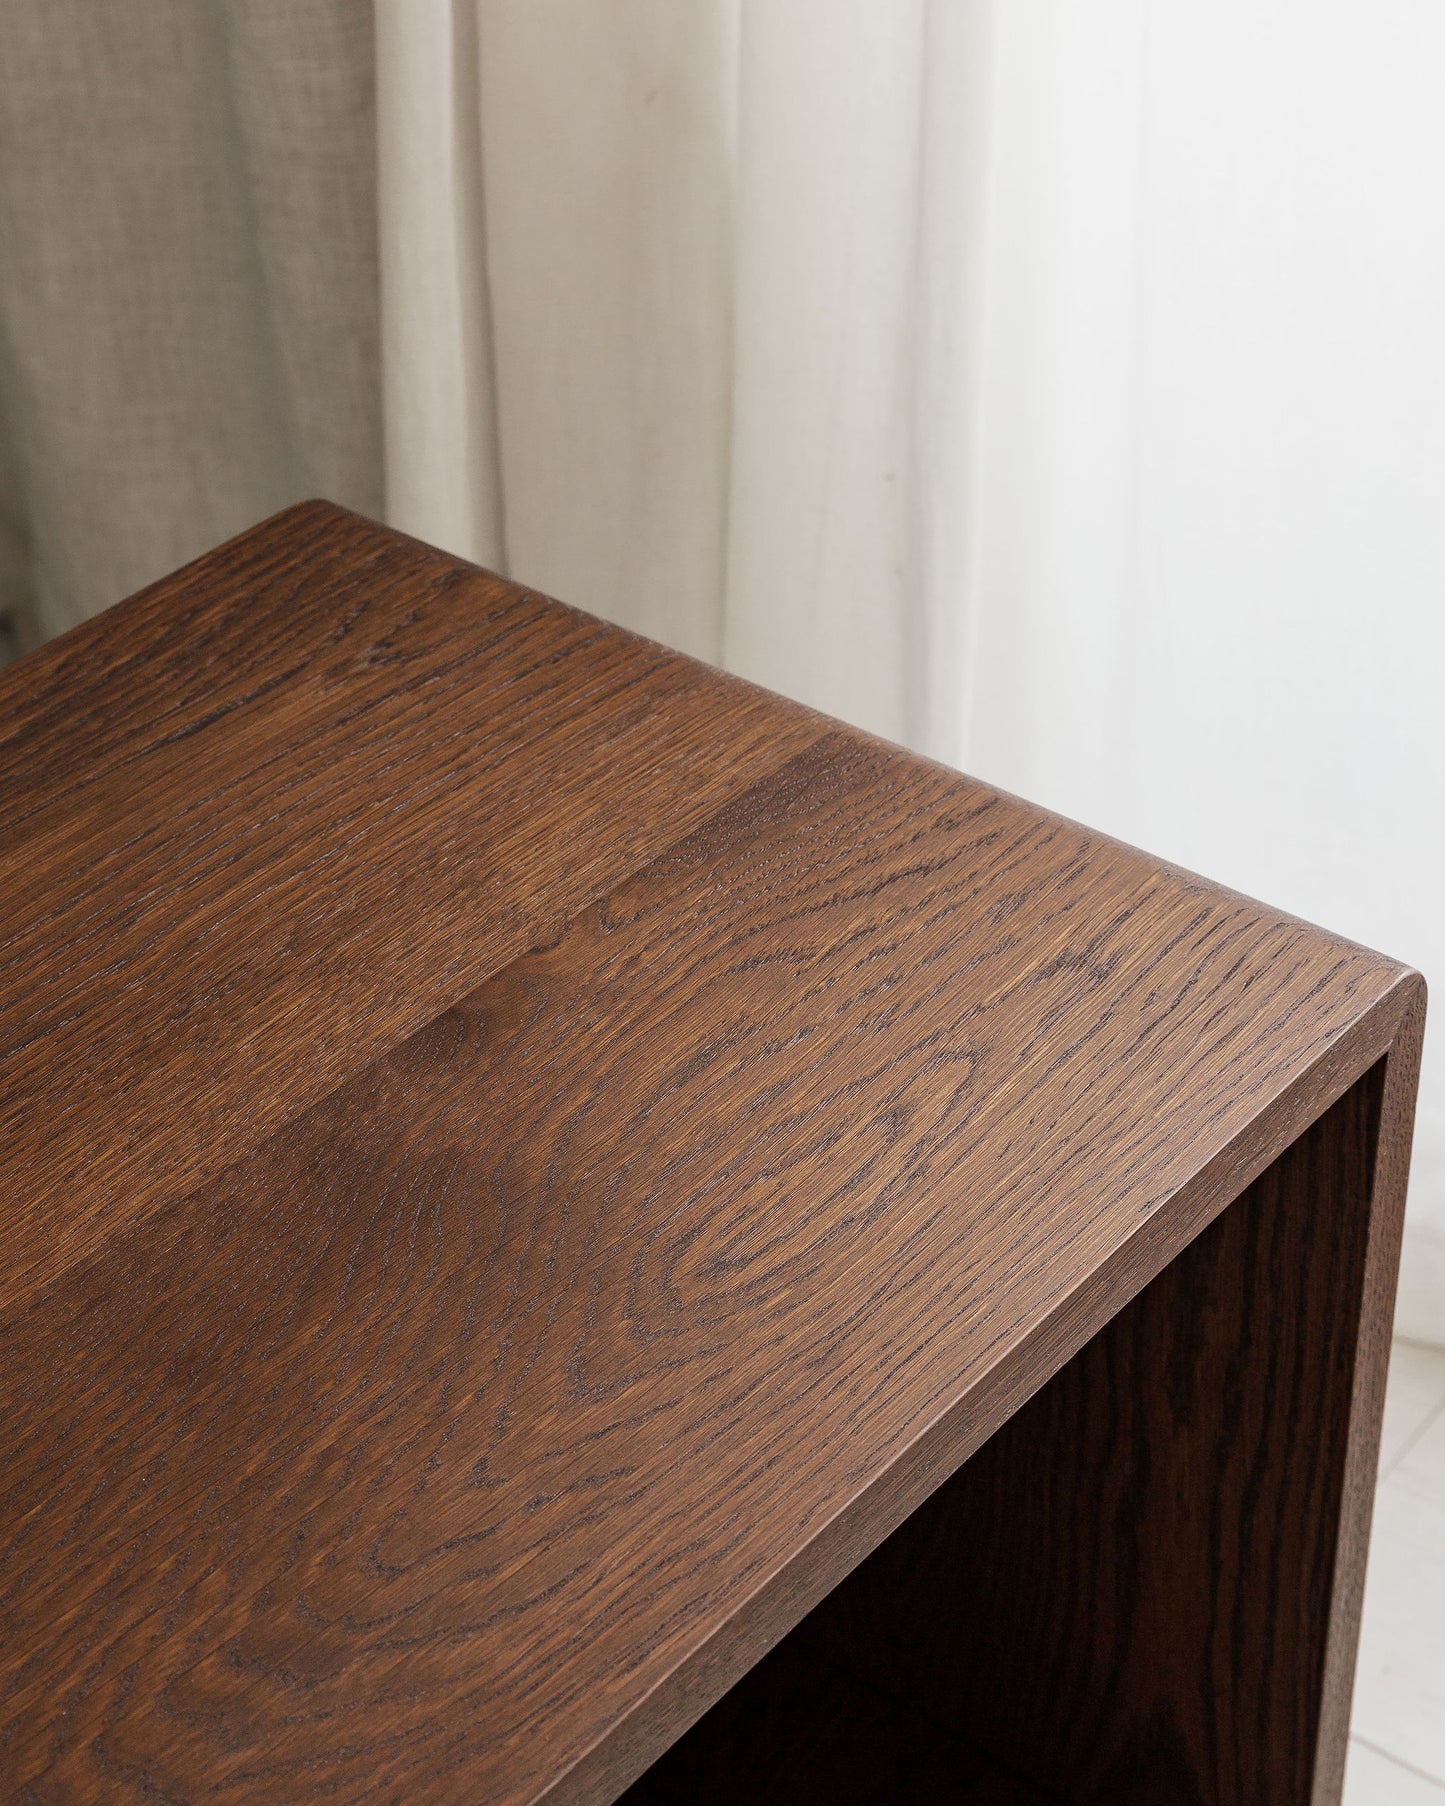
[557, 213]
[188, 311]
[695, 234]
[442, 457]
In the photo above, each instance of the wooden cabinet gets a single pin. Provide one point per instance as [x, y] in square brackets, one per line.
[574, 1230]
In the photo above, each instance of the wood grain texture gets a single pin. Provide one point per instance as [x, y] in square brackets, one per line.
[281, 809]
[1125, 1594]
[525, 1160]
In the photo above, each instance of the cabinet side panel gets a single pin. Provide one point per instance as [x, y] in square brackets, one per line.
[1124, 1596]
[1126, 1593]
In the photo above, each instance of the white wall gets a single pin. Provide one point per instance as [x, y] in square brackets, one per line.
[1209, 604]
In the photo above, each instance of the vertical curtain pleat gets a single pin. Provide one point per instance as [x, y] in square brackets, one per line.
[443, 468]
[556, 198]
[188, 290]
[694, 232]
[819, 553]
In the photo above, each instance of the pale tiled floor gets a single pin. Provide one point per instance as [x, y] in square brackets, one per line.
[1397, 1737]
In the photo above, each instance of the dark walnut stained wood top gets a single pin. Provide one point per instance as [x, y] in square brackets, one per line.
[524, 1158]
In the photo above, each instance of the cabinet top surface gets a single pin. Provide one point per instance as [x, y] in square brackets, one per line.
[508, 1136]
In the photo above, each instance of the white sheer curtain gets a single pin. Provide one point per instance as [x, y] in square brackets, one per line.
[674, 323]
[1057, 388]
[188, 313]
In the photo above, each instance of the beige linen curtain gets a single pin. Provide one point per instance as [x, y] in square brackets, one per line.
[188, 286]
